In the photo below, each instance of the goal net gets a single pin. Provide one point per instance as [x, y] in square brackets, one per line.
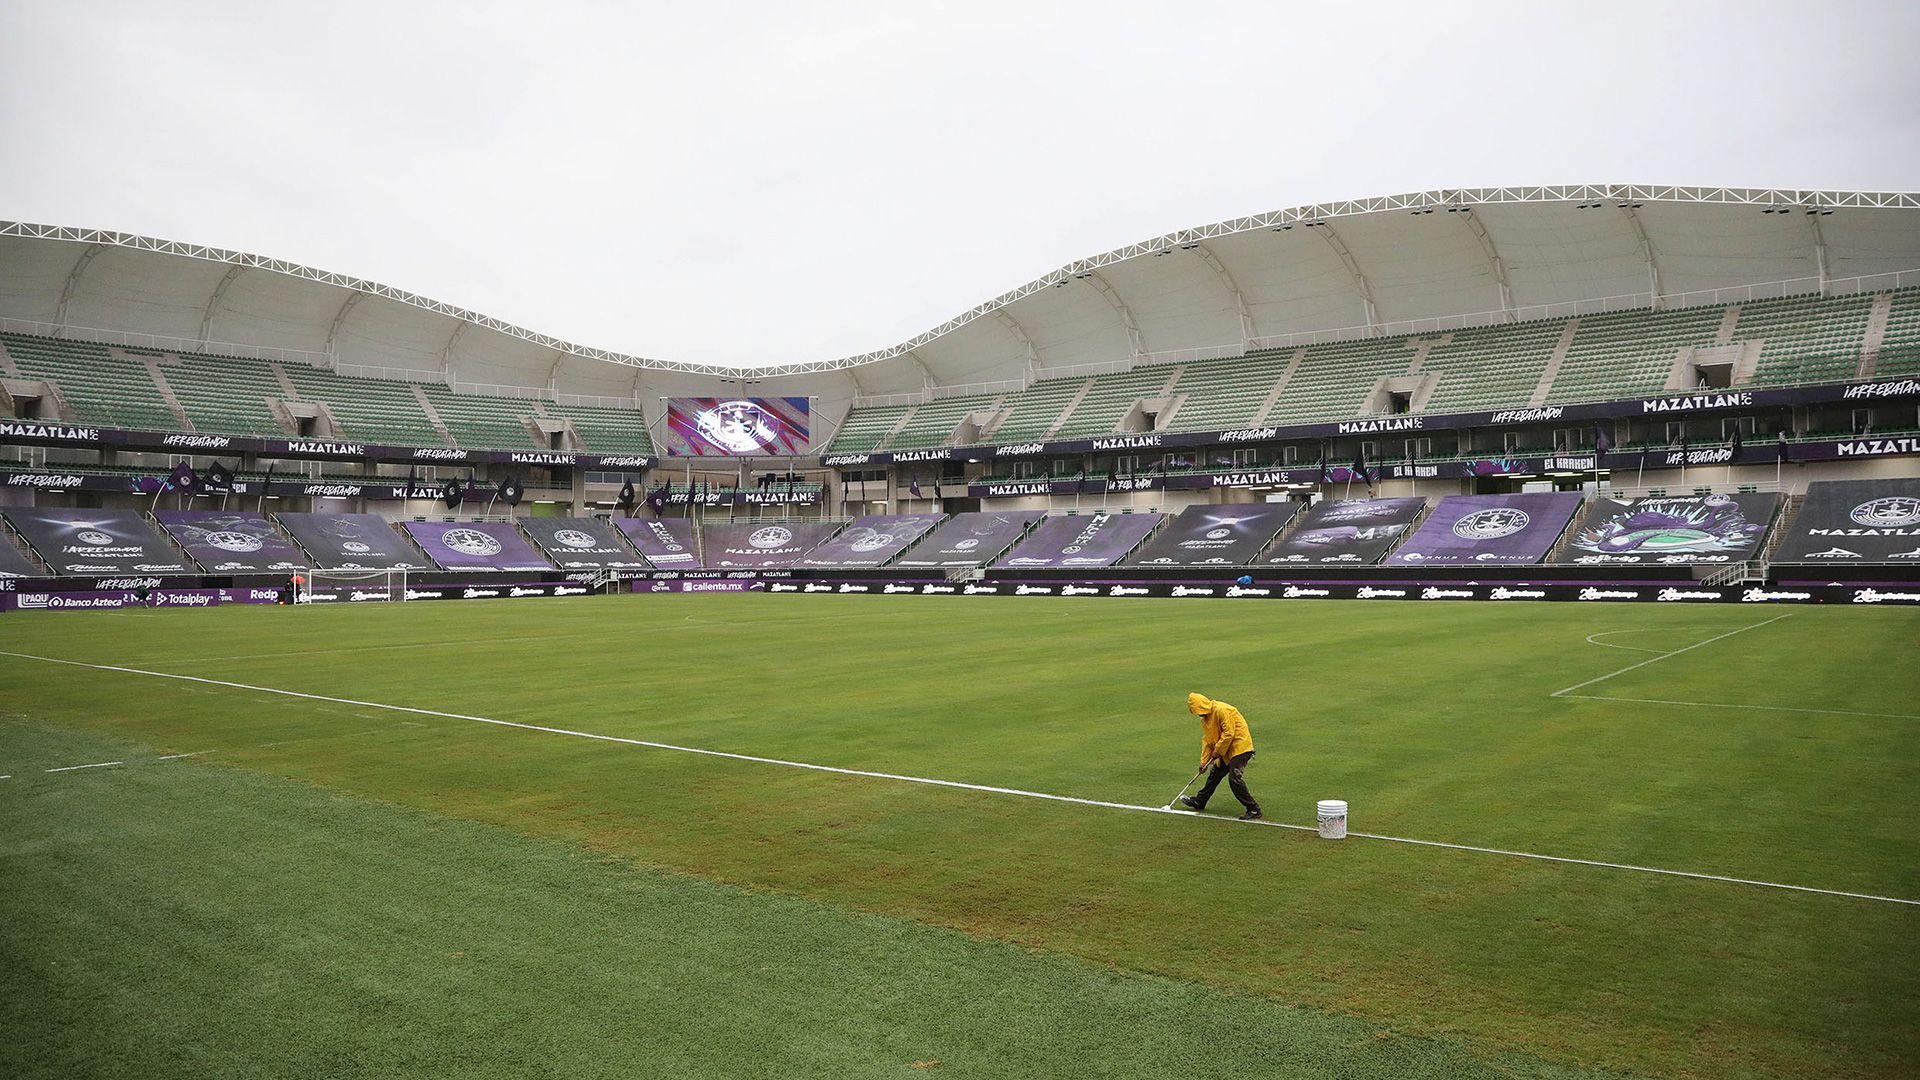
[349, 586]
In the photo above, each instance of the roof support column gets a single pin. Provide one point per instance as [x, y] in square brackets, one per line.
[1360, 283]
[1233, 292]
[1020, 335]
[213, 302]
[1646, 252]
[1127, 323]
[73, 285]
[1819, 250]
[333, 330]
[1498, 265]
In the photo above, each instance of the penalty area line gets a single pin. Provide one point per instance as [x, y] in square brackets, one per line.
[956, 784]
[1668, 655]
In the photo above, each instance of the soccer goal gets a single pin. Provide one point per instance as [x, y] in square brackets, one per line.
[348, 586]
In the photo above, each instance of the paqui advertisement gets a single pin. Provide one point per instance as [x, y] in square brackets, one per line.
[1493, 529]
[1076, 540]
[583, 544]
[1226, 534]
[737, 427]
[973, 539]
[352, 542]
[1856, 521]
[763, 545]
[1345, 532]
[98, 542]
[1667, 530]
[667, 543]
[476, 545]
[870, 541]
[225, 542]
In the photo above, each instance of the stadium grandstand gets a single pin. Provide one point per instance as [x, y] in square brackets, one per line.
[1686, 420]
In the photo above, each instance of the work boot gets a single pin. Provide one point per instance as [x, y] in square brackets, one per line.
[1252, 815]
[1188, 802]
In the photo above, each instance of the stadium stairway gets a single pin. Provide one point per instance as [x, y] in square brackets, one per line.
[25, 549]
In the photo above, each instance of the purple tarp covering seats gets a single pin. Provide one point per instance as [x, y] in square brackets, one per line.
[352, 542]
[667, 543]
[974, 539]
[1081, 540]
[76, 541]
[1667, 530]
[583, 544]
[476, 545]
[871, 541]
[1344, 532]
[1489, 529]
[762, 544]
[1856, 521]
[224, 541]
[1223, 534]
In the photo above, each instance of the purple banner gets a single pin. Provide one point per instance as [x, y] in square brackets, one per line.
[352, 542]
[583, 544]
[667, 543]
[970, 539]
[1672, 530]
[871, 541]
[98, 542]
[223, 542]
[764, 545]
[1352, 532]
[476, 545]
[1856, 521]
[1082, 540]
[1224, 534]
[1489, 529]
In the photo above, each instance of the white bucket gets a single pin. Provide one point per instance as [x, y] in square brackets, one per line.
[1333, 818]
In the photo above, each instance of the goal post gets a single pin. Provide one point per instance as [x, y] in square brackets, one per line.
[346, 586]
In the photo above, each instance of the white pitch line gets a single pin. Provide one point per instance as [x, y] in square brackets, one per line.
[1610, 645]
[1735, 705]
[1664, 656]
[176, 757]
[95, 765]
[1076, 800]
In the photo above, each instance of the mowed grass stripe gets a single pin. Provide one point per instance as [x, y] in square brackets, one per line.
[1433, 720]
[934, 781]
[195, 920]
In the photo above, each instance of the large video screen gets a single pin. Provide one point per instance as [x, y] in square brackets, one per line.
[1351, 532]
[98, 542]
[1223, 534]
[737, 427]
[224, 541]
[1856, 521]
[764, 545]
[476, 545]
[1489, 529]
[1664, 530]
[667, 543]
[1081, 540]
[973, 539]
[871, 541]
[583, 544]
[352, 542]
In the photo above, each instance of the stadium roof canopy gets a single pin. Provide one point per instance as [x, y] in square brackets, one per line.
[1386, 265]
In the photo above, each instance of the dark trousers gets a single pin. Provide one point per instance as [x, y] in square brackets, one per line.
[1235, 773]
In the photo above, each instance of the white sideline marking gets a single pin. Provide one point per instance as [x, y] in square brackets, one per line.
[1728, 705]
[1666, 655]
[176, 757]
[95, 765]
[965, 786]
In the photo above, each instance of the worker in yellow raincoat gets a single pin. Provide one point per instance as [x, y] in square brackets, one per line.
[1226, 746]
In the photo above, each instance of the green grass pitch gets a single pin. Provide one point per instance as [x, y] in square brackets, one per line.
[332, 888]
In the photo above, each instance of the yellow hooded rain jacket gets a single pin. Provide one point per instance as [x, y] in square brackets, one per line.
[1223, 731]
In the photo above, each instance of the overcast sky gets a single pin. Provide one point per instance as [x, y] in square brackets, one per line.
[753, 183]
